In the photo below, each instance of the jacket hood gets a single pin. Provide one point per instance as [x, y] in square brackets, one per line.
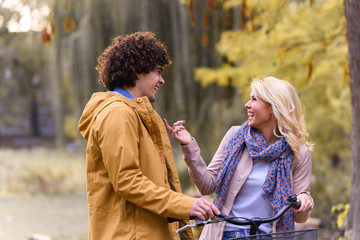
[96, 104]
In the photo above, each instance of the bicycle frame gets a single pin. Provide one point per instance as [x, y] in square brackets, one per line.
[254, 222]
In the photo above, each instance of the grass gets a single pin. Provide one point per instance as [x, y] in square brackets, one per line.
[41, 171]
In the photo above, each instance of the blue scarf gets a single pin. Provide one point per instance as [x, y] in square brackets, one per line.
[277, 186]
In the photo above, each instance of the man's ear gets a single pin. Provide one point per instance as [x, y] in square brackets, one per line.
[137, 76]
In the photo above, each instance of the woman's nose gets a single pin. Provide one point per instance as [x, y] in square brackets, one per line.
[162, 81]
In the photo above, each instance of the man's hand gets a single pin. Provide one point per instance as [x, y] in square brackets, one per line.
[203, 209]
[179, 132]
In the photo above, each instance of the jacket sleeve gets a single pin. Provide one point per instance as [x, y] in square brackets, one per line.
[204, 176]
[118, 136]
[302, 179]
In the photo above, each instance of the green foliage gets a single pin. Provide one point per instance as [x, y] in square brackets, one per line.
[303, 42]
[41, 171]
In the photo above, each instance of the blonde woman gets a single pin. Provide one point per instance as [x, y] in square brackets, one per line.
[257, 165]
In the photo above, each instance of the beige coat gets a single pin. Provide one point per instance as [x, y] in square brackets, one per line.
[205, 176]
[132, 181]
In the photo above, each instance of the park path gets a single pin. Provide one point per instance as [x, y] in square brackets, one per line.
[60, 217]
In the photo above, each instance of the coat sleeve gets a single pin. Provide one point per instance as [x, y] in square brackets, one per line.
[302, 178]
[204, 176]
[118, 136]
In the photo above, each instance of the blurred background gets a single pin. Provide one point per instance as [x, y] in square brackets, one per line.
[48, 54]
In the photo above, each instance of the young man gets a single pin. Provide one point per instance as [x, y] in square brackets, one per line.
[132, 181]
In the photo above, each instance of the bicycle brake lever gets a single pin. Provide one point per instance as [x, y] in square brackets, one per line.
[199, 222]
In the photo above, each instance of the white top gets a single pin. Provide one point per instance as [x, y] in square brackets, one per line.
[249, 202]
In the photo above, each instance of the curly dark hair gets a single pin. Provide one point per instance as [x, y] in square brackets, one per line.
[127, 56]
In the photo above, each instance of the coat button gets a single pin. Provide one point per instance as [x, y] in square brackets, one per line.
[139, 100]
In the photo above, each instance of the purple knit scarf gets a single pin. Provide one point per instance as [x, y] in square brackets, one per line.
[277, 186]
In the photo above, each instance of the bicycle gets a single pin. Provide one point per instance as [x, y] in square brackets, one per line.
[254, 223]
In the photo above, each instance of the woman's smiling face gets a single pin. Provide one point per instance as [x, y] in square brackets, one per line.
[260, 113]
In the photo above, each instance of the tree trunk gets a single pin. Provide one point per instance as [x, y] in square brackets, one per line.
[34, 113]
[352, 13]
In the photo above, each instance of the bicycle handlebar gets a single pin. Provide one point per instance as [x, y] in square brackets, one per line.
[254, 222]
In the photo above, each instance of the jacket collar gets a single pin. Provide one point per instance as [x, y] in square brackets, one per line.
[143, 107]
[141, 104]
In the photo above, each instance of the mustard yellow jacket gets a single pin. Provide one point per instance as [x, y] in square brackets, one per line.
[132, 181]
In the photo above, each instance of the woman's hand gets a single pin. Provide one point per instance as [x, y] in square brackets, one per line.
[179, 132]
[306, 201]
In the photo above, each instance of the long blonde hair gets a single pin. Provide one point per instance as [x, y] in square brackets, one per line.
[286, 106]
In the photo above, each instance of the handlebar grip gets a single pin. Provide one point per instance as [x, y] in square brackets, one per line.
[170, 219]
[221, 215]
[293, 200]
